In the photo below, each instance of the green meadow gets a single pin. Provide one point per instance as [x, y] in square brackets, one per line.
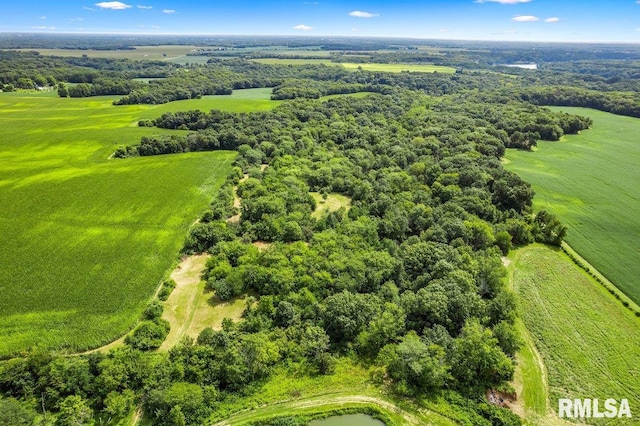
[586, 339]
[85, 238]
[591, 182]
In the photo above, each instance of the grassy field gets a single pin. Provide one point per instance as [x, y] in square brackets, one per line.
[86, 239]
[190, 308]
[245, 100]
[586, 339]
[288, 393]
[590, 182]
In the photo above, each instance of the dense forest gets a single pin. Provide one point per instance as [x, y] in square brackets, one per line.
[407, 277]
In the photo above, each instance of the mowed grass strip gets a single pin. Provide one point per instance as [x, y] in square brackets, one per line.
[587, 340]
[85, 239]
[191, 307]
[591, 182]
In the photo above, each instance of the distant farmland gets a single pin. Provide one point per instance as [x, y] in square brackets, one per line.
[591, 182]
[85, 239]
[367, 67]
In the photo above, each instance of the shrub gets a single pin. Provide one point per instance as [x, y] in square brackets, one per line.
[148, 335]
[153, 311]
[166, 289]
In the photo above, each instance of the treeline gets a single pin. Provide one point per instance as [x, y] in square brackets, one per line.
[297, 88]
[26, 70]
[614, 102]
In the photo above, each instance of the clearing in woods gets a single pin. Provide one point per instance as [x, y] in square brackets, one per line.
[332, 203]
[191, 308]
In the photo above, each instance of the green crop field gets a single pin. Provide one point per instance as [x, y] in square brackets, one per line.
[401, 67]
[591, 182]
[587, 340]
[86, 239]
[367, 67]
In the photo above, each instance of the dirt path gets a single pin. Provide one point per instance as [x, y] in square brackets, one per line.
[409, 418]
[237, 202]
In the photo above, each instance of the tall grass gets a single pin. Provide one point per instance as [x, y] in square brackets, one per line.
[587, 340]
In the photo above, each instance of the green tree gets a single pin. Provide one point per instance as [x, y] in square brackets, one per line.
[477, 361]
[15, 413]
[415, 366]
[117, 405]
[74, 411]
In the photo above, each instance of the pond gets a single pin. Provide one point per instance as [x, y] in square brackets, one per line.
[348, 420]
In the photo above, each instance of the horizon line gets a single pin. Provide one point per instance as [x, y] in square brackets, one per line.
[311, 36]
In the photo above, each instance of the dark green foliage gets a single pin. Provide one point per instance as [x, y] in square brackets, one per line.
[181, 400]
[548, 228]
[15, 413]
[283, 421]
[153, 311]
[148, 335]
[203, 236]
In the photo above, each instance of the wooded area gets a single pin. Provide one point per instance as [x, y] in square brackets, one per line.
[408, 279]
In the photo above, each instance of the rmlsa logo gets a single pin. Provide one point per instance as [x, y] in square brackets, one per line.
[592, 408]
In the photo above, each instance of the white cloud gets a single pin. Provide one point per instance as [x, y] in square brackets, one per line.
[302, 27]
[43, 28]
[552, 20]
[144, 7]
[43, 17]
[504, 1]
[525, 18]
[113, 5]
[361, 14]
[168, 11]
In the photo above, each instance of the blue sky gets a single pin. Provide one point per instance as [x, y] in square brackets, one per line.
[517, 20]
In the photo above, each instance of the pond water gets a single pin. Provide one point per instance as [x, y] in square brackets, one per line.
[348, 420]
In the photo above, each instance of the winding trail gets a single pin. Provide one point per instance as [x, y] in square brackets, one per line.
[338, 401]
